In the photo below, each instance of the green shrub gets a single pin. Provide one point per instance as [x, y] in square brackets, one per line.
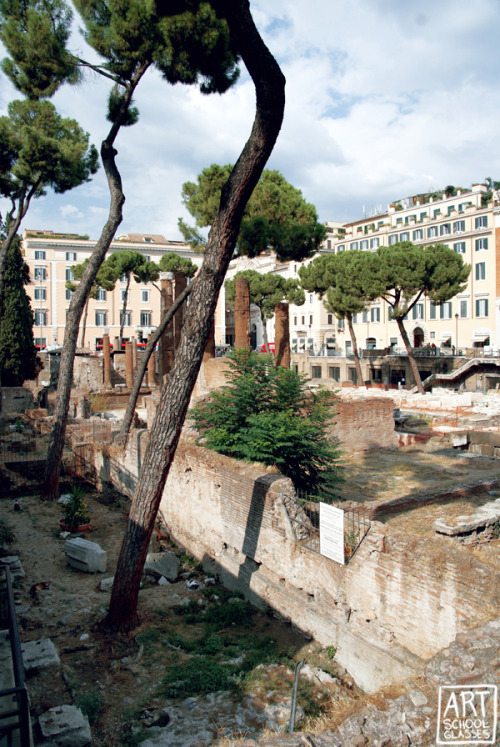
[266, 415]
[76, 511]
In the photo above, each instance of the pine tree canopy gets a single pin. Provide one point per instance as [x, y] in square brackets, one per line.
[277, 216]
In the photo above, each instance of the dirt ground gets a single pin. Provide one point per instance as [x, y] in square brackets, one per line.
[121, 681]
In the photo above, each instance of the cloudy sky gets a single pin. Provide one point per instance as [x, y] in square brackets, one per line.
[385, 98]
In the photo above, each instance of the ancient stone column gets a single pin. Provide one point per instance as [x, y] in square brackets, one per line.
[210, 346]
[180, 282]
[166, 343]
[106, 360]
[242, 314]
[129, 364]
[152, 369]
[134, 354]
[282, 335]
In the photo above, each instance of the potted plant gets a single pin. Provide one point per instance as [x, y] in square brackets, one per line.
[76, 512]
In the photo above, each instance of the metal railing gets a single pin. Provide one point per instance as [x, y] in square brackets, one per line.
[304, 518]
[15, 727]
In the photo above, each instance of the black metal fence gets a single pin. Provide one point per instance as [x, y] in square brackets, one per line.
[15, 725]
[304, 518]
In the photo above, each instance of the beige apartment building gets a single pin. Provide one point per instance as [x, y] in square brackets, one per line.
[468, 222]
[51, 256]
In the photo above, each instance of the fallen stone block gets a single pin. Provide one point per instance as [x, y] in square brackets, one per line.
[107, 583]
[484, 516]
[162, 564]
[40, 654]
[85, 556]
[14, 565]
[65, 726]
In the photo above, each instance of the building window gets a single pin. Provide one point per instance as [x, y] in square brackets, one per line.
[40, 342]
[437, 212]
[70, 256]
[145, 319]
[375, 243]
[340, 324]
[481, 271]
[39, 254]
[481, 244]
[432, 335]
[393, 238]
[481, 221]
[423, 215]
[459, 247]
[40, 318]
[123, 278]
[459, 226]
[418, 311]
[364, 318]
[445, 310]
[144, 296]
[481, 307]
[310, 297]
[334, 373]
[310, 320]
[68, 294]
[445, 229]
[353, 376]
[418, 234]
[433, 311]
[329, 319]
[354, 246]
[316, 372]
[328, 246]
[100, 295]
[405, 236]
[363, 245]
[40, 294]
[303, 320]
[375, 314]
[354, 318]
[341, 248]
[432, 232]
[463, 309]
[40, 273]
[69, 275]
[124, 295]
[127, 318]
[100, 319]
[295, 321]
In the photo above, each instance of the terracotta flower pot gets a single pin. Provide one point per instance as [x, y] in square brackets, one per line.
[80, 528]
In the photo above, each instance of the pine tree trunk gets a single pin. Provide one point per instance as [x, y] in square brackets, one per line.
[355, 351]
[84, 323]
[179, 383]
[50, 490]
[411, 357]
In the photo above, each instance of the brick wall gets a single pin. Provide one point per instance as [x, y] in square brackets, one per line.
[363, 424]
[400, 600]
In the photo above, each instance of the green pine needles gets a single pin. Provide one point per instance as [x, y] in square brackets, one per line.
[266, 415]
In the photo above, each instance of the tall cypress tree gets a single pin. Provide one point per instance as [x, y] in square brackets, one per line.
[17, 349]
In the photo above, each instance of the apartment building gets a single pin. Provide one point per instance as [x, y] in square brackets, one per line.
[468, 222]
[50, 257]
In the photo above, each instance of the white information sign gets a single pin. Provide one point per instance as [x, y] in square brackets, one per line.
[331, 532]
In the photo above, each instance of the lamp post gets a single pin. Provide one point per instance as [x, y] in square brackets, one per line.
[456, 332]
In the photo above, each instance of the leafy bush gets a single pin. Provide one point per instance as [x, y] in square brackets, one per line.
[266, 415]
[76, 511]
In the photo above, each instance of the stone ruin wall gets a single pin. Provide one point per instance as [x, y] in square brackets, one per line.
[399, 601]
